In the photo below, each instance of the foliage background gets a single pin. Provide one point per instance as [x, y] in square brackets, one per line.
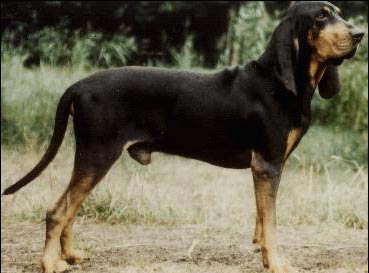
[81, 37]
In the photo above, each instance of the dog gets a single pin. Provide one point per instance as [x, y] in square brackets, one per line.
[250, 116]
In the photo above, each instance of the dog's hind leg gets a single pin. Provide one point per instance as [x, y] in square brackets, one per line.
[90, 167]
[68, 252]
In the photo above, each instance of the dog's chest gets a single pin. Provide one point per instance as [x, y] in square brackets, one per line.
[293, 138]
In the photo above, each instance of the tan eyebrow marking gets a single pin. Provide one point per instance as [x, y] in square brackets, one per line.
[326, 8]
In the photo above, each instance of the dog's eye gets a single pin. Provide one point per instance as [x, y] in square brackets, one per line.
[321, 16]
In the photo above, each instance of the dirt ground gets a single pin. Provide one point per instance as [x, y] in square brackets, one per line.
[118, 248]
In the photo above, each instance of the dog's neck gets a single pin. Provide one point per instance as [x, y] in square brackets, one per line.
[308, 72]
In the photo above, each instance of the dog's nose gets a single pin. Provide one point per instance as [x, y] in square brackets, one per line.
[357, 35]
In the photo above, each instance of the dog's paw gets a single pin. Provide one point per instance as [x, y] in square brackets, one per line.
[60, 266]
[74, 257]
[56, 266]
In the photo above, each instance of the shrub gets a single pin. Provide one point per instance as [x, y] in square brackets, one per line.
[57, 47]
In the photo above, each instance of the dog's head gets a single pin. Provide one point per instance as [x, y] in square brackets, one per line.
[316, 32]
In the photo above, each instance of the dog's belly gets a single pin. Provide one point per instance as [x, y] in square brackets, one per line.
[219, 156]
[236, 160]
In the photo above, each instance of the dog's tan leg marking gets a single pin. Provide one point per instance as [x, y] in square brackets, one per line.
[266, 181]
[68, 253]
[54, 224]
[58, 217]
[258, 231]
[265, 205]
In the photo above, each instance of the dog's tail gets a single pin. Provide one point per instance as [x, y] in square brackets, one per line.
[61, 122]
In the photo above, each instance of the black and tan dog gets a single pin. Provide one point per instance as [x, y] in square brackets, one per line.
[247, 116]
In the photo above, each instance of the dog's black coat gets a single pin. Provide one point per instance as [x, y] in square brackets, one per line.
[215, 117]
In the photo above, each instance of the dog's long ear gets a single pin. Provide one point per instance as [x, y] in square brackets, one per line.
[329, 85]
[286, 51]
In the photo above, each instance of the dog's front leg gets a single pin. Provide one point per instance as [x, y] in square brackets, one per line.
[266, 177]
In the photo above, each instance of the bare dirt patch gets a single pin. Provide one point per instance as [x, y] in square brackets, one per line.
[118, 248]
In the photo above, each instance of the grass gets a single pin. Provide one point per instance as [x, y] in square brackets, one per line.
[176, 191]
[29, 102]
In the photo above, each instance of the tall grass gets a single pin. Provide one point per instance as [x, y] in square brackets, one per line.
[177, 191]
[28, 101]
